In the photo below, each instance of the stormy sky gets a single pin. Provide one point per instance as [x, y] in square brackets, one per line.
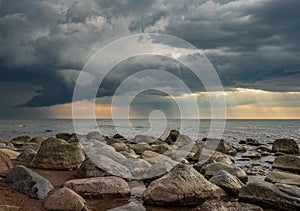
[254, 46]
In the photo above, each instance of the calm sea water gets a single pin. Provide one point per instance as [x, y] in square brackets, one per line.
[235, 130]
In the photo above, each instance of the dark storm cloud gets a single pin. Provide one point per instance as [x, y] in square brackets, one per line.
[249, 42]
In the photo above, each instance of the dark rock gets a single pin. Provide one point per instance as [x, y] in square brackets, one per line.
[286, 145]
[227, 182]
[172, 137]
[288, 163]
[283, 177]
[58, 154]
[251, 142]
[274, 196]
[90, 169]
[20, 140]
[64, 136]
[29, 182]
[251, 155]
[26, 156]
[118, 136]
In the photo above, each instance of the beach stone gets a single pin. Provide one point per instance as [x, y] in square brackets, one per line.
[283, 177]
[161, 148]
[251, 155]
[20, 140]
[139, 148]
[111, 141]
[134, 206]
[130, 153]
[99, 187]
[223, 146]
[91, 134]
[206, 156]
[143, 139]
[38, 139]
[29, 145]
[58, 154]
[5, 164]
[64, 136]
[120, 146]
[172, 137]
[250, 141]
[288, 163]
[6, 145]
[268, 195]
[9, 208]
[264, 148]
[29, 182]
[90, 169]
[65, 199]
[149, 154]
[286, 145]
[10, 153]
[118, 136]
[110, 166]
[26, 156]
[157, 170]
[182, 186]
[256, 169]
[137, 166]
[227, 182]
[213, 169]
[216, 205]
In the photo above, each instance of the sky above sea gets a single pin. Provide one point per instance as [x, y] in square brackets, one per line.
[252, 46]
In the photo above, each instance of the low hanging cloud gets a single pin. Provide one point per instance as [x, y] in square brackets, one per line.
[251, 43]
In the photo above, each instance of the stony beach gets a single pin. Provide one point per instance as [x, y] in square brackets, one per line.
[96, 172]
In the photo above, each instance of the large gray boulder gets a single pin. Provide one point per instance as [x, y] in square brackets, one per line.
[214, 168]
[183, 185]
[99, 187]
[58, 154]
[288, 163]
[29, 182]
[227, 182]
[286, 145]
[268, 195]
[283, 177]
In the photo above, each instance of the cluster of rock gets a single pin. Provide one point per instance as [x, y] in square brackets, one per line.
[176, 171]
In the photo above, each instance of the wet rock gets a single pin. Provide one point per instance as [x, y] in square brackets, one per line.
[26, 156]
[20, 140]
[286, 145]
[223, 146]
[140, 147]
[264, 148]
[64, 136]
[216, 205]
[130, 153]
[227, 182]
[172, 137]
[120, 146]
[10, 153]
[58, 154]
[283, 177]
[99, 187]
[118, 136]
[143, 139]
[5, 164]
[206, 156]
[29, 145]
[250, 141]
[268, 195]
[6, 145]
[28, 182]
[212, 170]
[288, 163]
[256, 169]
[251, 155]
[182, 186]
[161, 148]
[65, 199]
[90, 169]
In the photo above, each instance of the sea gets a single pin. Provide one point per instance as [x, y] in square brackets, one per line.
[234, 130]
